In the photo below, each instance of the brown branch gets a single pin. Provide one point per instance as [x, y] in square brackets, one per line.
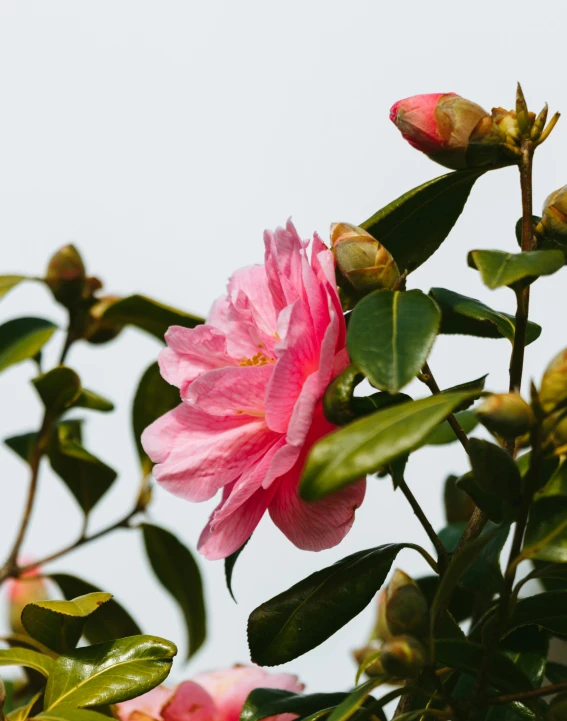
[527, 695]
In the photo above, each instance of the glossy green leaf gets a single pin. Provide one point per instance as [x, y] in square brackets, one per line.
[265, 702]
[468, 316]
[108, 672]
[499, 269]
[444, 434]
[23, 338]
[371, 443]
[468, 657]
[27, 658]
[547, 610]
[312, 610]
[485, 574]
[390, 335]
[154, 397]
[494, 470]
[86, 476]
[546, 534]
[477, 385]
[347, 708]
[59, 624]
[58, 389]
[111, 621]
[7, 282]
[23, 712]
[149, 315]
[461, 603]
[413, 227]
[229, 564]
[179, 574]
[68, 713]
[491, 505]
[92, 401]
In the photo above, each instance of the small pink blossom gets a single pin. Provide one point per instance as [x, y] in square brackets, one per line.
[415, 119]
[251, 382]
[214, 696]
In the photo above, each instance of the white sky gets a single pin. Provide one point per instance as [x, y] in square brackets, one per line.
[162, 138]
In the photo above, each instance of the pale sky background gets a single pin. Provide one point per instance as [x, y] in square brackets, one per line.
[162, 138]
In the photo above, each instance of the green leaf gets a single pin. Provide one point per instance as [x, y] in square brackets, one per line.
[494, 470]
[92, 401]
[372, 442]
[179, 574]
[149, 315]
[468, 316]
[444, 434]
[23, 712]
[468, 657]
[23, 338]
[546, 534]
[390, 335]
[266, 702]
[22, 445]
[556, 672]
[229, 563]
[477, 385]
[547, 610]
[27, 658]
[59, 624]
[413, 227]
[154, 397]
[308, 613]
[85, 475]
[489, 504]
[108, 672]
[58, 389]
[485, 573]
[7, 282]
[557, 483]
[356, 698]
[499, 269]
[65, 713]
[111, 621]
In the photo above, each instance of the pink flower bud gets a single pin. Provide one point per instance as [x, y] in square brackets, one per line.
[444, 126]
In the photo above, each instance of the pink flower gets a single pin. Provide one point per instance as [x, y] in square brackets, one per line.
[251, 382]
[214, 696]
[415, 119]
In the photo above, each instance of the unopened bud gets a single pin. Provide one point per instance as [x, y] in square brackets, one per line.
[362, 260]
[459, 506]
[557, 710]
[99, 330]
[445, 126]
[66, 275]
[406, 606]
[553, 390]
[381, 630]
[363, 655]
[554, 216]
[505, 414]
[403, 656]
[29, 589]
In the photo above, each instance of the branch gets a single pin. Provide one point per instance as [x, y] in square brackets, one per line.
[431, 383]
[527, 695]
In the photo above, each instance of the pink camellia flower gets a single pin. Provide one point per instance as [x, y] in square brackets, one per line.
[214, 696]
[251, 382]
[29, 589]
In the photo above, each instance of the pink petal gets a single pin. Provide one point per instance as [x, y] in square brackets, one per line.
[198, 453]
[231, 391]
[149, 704]
[191, 702]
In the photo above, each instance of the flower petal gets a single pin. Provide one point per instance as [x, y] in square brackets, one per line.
[231, 391]
[191, 702]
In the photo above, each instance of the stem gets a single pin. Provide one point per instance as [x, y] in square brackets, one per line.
[431, 383]
[527, 695]
[477, 522]
[442, 555]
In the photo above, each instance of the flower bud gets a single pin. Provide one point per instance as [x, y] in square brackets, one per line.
[403, 656]
[554, 216]
[362, 260]
[445, 126]
[505, 414]
[553, 390]
[66, 275]
[98, 329]
[381, 630]
[28, 589]
[459, 506]
[363, 654]
[406, 606]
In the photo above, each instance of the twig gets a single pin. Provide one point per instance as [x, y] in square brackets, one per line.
[431, 383]
[527, 695]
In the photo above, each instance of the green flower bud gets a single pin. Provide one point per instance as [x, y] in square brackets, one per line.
[459, 506]
[554, 216]
[557, 710]
[66, 276]
[381, 630]
[403, 656]
[98, 329]
[505, 414]
[553, 390]
[406, 606]
[361, 260]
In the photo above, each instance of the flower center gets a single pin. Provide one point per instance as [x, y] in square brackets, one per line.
[258, 360]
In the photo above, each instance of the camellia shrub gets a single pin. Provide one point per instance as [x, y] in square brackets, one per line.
[259, 405]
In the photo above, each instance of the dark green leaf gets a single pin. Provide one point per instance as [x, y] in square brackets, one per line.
[557, 483]
[264, 702]
[461, 604]
[476, 385]
[148, 315]
[356, 699]
[308, 613]
[179, 574]
[23, 338]
[413, 227]
[556, 672]
[499, 269]
[7, 282]
[58, 389]
[468, 316]
[546, 534]
[22, 445]
[111, 621]
[229, 567]
[27, 658]
[489, 504]
[59, 624]
[108, 672]
[518, 227]
[390, 335]
[92, 401]
[547, 610]
[485, 575]
[153, 398]
[85, 475]
[494, 470]
[371, 443]
[444, 434]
